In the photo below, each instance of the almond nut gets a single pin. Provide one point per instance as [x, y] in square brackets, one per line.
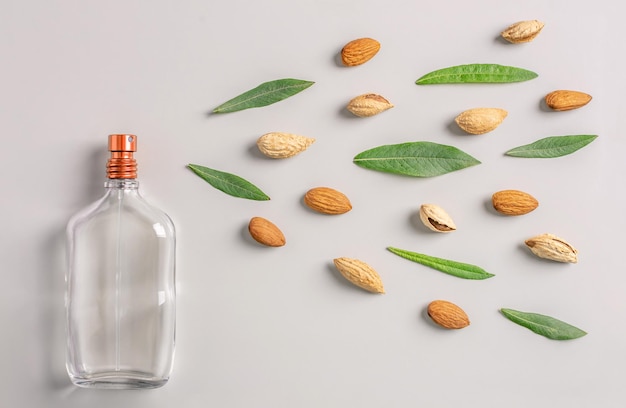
[327, 201]
[360, 274]
[522, 32]
[513, 202]
[265, 232]
[359, 51]
[563, 100]
[368, 105]
[279, 145]
[447, 314]
[480, 120]
[551, 247]
[436, 219]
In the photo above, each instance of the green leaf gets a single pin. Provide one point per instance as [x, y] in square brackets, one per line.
[265, 94]
[458, 269]
[476, 73]
[418, 159]
[544, 325]
[229, 183]
[553, 146]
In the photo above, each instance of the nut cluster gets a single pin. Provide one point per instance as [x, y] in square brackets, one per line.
[476, 121]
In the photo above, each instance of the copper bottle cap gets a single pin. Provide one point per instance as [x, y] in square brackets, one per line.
[121, 164]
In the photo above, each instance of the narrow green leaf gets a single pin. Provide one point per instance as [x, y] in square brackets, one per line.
[553, 146]
[417, 159]
[476, 73]
[458, 269]
[265, 94]
[229, 183]
[544, 325]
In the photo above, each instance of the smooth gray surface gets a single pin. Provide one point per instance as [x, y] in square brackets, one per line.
[264, 327]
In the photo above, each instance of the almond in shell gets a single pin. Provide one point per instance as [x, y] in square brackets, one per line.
[327, 201]
[447, 314]
[551, 247]
[265, 232]
[436, 218]
[360, 274]
[564, 100]
[359, 51]
[513, 202]
[278, 145]
[368, 105]
[522, 31]
[480, 120]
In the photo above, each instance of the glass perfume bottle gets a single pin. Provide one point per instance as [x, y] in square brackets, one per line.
[120, 296]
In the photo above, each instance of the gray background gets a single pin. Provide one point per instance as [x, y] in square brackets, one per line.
[267, 327]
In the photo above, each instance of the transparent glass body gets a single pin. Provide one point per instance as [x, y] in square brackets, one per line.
[120, 292]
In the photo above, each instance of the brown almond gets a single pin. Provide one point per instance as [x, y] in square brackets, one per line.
[564, 100]
[368, 105]
[513, 202]
[359, 51]
[522, 31]
[447, 314]
[480, 120]
[360, 274]
[265, 232]
[327, 201]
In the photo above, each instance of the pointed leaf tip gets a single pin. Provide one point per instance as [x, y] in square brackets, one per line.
[229, 183]
[454, 268]
[417, 159]
[543, 325]
[265, 94]
[476, 73]
[552, 146]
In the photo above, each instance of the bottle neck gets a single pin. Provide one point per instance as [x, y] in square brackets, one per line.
[121, 165]
[121, 184]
